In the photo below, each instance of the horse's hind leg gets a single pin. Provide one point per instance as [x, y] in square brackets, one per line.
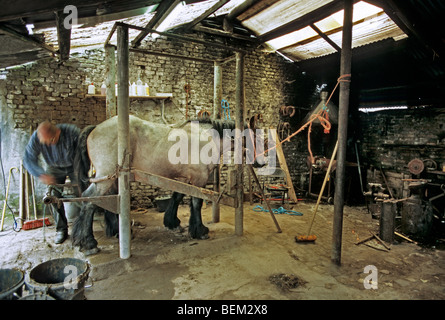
[196, 229]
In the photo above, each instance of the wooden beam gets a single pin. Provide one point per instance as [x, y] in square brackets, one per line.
[63, 36]
[325, 37]
[181, 38]
[207, 13]
[412, 26]
[303, 21]
[177, 56]
[283, 165]
[17, 9]
[222, 33]
[181, 187]
[13, 33]
[327, 34]
[162, 12]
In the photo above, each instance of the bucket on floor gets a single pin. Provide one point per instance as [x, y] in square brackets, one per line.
[63, 278]
[162, 203]
[11, 281]
[37, 296]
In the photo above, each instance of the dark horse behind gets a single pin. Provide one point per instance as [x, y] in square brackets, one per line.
[154, 148]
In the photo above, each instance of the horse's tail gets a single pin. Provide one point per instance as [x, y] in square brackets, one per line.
[81, 160]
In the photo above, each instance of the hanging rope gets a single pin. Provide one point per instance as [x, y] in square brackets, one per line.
[321, 115]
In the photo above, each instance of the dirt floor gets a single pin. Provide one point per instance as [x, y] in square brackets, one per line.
[260, 264]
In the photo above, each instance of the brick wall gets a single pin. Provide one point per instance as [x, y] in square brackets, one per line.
[393, 138]
[48, 90]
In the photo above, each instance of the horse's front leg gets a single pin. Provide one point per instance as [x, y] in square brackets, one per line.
[196, 229]
[83, 230]
[171, 220]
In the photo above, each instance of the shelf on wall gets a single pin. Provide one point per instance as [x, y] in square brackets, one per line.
[99, 96]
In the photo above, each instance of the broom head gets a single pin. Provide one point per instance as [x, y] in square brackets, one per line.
[306, 238]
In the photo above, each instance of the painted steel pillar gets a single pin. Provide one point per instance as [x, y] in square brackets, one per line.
[123, 127]
[217, 96]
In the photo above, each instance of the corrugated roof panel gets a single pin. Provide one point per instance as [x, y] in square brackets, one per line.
[281, 13]
[378, 28]
[291, 38]
[362, 10]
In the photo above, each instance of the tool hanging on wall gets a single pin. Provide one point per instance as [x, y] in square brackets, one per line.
[287, 111]
[187, 89]
[283, 130]
[225, 109]
[203, 114]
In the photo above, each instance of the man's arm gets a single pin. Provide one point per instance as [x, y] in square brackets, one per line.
[30, 159]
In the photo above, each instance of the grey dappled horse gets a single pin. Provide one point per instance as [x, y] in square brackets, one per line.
[151, 151]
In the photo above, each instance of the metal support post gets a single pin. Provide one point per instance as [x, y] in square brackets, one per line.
[345, 68]
[239, 158]
[217, 96]
[123, 127]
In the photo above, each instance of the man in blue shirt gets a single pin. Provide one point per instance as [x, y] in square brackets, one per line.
[57, 144]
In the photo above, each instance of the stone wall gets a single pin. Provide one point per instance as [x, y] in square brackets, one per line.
[393, 138]
[46, 89]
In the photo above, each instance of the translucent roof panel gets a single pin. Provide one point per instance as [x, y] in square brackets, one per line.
[370, 24]
[362, 10]
[292, 37]
[370, 30]
[280, 13]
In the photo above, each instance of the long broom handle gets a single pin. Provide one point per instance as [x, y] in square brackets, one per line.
[334, 153]
[6, 197]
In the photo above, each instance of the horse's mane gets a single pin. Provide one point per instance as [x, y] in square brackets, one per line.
[219, 125]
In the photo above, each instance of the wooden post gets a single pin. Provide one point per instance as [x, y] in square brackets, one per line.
[63, 36]
[217, 96]
[239, 126]
[123, 128]
[345, 68]
[110, 81]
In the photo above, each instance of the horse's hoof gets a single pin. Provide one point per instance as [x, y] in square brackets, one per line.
[91, 252]
[204, 237]
[199, 233]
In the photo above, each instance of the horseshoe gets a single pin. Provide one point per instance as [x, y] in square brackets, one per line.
[290, 111]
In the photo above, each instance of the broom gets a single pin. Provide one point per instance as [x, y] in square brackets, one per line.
[36, 223]
[308, 237]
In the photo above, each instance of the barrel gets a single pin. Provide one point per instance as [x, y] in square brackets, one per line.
[62, 279]
[11, 281]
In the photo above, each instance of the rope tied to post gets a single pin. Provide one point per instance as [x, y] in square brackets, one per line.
[321, 116]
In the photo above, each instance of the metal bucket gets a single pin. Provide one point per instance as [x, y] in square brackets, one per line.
[62, 279]
[11, 281]
[37, 296]
[162, 203]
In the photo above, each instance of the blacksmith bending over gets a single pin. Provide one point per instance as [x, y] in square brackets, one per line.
[57, 144]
